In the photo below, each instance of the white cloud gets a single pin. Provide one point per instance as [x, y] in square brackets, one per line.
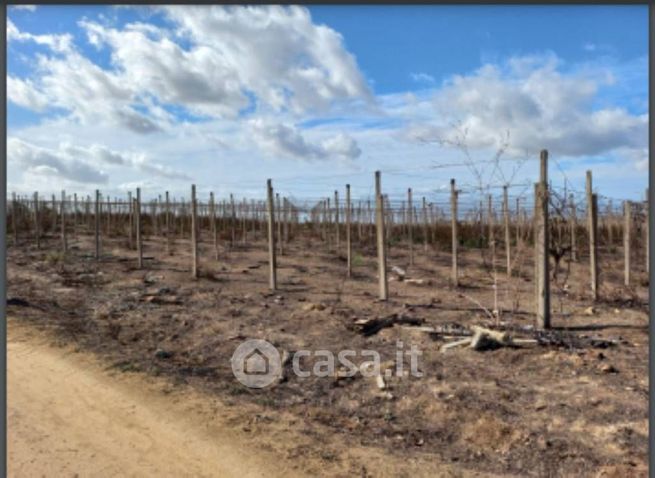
[82, 164]
[50, 163]
[537, 104]
[23, 93]
[422, 78]
[286, 140]
[150, 63]
[58, 43]
[99, 154]
[276, 52]
[214, 61]
[341, 146]
[91, 94]
[71, 81]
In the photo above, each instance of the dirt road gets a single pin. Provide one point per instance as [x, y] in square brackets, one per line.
[67, 417]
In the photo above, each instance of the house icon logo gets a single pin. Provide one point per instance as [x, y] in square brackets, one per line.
[256, 363]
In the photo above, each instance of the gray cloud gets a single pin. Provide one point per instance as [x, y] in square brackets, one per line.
[47, 162]
[287, 141]
[82, 163]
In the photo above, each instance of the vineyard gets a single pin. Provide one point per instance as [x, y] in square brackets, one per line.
[529, 305]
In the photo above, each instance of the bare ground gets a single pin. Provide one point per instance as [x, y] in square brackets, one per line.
[576, 407]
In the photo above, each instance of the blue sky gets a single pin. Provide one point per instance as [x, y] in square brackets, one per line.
[390, 41]
[115, 98]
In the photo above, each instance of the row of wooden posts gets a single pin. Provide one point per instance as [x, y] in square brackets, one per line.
[278, 224]
[325, 220]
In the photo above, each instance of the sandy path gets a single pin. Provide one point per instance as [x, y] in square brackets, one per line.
[68, 417]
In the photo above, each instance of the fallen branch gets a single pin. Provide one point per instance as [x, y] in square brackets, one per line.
[373, 326]
[457, 343]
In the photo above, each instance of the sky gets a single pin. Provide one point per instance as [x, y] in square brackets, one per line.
[224, 97]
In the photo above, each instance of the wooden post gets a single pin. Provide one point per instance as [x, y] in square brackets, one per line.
[108, 215]
[75, 216]
[592, 225]
[182, 217]
[271, 236]
[454, 275]
[541, 246]
[14, 211]
[97, 225]
[627, 225]
[167, 219]
[348, 233]
[87, 212]
[381, 240]
[508, 248]
[388, 218]
[244, 224]
[37, 232]
[214, 228]
[410, 225]
[573, 228]
[322, 220]
[328, 222]
[425, 225]
[137, 225]
[64, 242]
[336, 218]
[194, 233]
[481, 222]
[232, 222]
[253, 219]
[54, 215]
[491, 224]
[286, 204]
[130, 220]
[158, 227]
[278, 209]
[492, 244]
[369, 219]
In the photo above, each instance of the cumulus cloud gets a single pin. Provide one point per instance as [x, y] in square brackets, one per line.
[52, 163]
[276, 52]
[341, 146]
[150, 62]
[72, 82]
[287, 141]
[212, 61]
[99, 154]
[540, 106]
[92, 95]
[23, 93]
[82, 164]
